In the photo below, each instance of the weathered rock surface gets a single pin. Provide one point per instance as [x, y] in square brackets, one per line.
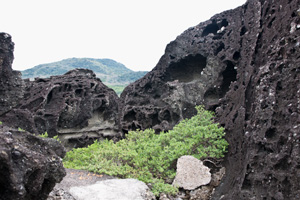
[191, 173]
[125, 189]
[29, 165]
[11, 84]
[244, 64]
[76, 106]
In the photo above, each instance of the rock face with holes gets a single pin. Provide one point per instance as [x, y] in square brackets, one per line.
[243, 64]
[197, 68]
[30, 166]
[11, 84]
[76, 106]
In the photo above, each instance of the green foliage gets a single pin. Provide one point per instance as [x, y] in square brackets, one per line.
[152, 158]
[109, 71]
[56, 138]
[0, 123]
[45, 135]
[117, 88]
[19, 129]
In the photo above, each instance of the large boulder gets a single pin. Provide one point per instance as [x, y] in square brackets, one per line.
[30, 166]
[125, 189]
[191, 173]
[243, 64]
[76, 106]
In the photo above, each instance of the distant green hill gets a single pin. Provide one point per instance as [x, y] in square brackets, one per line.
[110, 72]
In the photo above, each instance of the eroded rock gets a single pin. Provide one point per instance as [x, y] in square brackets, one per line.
[243, 64]
[76, 106]
[29, 165]
[11, 83]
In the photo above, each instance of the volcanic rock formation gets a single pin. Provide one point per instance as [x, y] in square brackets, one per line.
[76, 106]
[30, 166]
[243, 64]
[11, 84]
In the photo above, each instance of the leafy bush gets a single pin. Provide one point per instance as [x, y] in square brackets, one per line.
[152, 158]
[0, 123]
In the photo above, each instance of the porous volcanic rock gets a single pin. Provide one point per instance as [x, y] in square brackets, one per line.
[11, 83]
[243, 64]
[30, 166]
[76, 106]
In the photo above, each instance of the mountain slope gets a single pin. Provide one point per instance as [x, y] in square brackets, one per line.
[109, 71]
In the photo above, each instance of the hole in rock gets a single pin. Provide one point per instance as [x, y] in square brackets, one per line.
[130, 116]
[270, 133]
[282, 164]
[155, 119]
[211, 28]
[187, 69]
[78, 92]
[236, 55]
[229, 75]
[165, 115]
[271, 22]
[279, 86]
[214, 27]
[243, 31]
[224, 23]
[49, 97]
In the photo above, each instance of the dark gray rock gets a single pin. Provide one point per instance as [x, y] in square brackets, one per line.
[30, 166]
[76, 106]
[11, 84]
[243, 64]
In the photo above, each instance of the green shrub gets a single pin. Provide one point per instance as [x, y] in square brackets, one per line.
[152, 158]
[45, 135]
[20, 129]
[0, 123]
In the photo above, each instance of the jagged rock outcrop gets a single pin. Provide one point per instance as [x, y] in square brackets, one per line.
[11, 84]
[76, 106]
[30, 166]
[244, 64]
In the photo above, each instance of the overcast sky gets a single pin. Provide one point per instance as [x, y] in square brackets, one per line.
[132, 32]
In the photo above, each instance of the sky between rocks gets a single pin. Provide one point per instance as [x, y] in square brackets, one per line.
[132, 32]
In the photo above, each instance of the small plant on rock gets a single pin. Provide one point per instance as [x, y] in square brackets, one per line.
[152, 158]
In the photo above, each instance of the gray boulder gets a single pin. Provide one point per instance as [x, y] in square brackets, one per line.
[122, 189]
[191, 173]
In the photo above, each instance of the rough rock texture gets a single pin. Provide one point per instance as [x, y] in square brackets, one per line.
[76, 106]
[29, 165]
[244, 64]
[191, 173]
[11, 84]
[125, 189]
